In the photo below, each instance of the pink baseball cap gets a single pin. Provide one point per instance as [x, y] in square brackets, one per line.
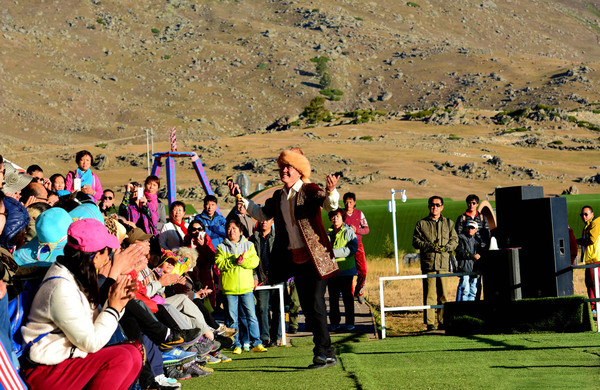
[90, 235]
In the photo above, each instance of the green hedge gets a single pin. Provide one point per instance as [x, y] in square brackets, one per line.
[564, 314]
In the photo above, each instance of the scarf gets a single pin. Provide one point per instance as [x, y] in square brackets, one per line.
[181, 226]
[86, 177]
[152, 198]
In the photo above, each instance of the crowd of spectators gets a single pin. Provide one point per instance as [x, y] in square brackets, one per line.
[131, 294]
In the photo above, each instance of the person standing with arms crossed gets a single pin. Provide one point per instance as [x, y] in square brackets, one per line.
[435, 237]
[302, 247]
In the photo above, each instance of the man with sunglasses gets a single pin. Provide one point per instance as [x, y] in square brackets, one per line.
[471, 214]
[435, 237]
[482, 235]
[107, 203]
[590, 248]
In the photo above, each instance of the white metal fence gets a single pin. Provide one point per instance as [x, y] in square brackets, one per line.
[279, 287]
[384, 309]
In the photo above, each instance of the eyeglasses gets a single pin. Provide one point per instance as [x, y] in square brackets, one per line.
[435, 205]
[196, 229]
[471, 227]
[584, 214]
[107, 197]
[473, 202]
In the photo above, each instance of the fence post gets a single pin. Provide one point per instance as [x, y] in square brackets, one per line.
[392, 209]
[382, 308]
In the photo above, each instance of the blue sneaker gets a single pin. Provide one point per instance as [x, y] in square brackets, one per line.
[177, 357]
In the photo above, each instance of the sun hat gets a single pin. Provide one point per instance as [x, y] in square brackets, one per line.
[181, 261]
[90, 235]
[87, 210]
[13, 180]
[473, 224]
[115, 228]
[51, 226]
[136, 234]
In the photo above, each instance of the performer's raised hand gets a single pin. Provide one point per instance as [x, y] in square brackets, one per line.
[332, 182]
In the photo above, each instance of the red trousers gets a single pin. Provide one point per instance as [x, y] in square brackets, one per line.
[361, 270]
[115, 367]
[589, 283]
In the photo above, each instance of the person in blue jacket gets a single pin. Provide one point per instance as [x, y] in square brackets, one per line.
[214, 222]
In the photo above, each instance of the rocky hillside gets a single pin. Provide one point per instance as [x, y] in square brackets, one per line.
[97, 74]
[72, 70]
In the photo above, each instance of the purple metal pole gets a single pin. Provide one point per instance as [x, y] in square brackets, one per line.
[170, 162]
[202, 176]
[156, 166]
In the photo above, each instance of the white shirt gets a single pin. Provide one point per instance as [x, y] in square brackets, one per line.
[295, 238]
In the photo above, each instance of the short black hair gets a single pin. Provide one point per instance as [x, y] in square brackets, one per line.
[588, 207]
[56, 176]
[472, 197]
[108, 190]
[434, 197]
[175, 204]
[210, 198]
[335, 212]
[349, 195]
[34, 168]
[234, 221]
[83, 153]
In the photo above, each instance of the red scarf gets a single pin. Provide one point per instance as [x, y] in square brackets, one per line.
[181, 225]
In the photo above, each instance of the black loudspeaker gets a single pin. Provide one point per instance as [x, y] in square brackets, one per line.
[501, 275]
[545, 258]
[510, 213]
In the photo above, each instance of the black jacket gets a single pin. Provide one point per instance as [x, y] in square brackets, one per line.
[262, 271]
[468, 247]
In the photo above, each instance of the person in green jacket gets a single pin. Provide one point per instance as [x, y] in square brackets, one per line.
[236, 258]
[345, 245]
[436, 238]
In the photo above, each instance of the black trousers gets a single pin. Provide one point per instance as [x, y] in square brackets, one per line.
[337, 285]
[311, 291]
[138, 319]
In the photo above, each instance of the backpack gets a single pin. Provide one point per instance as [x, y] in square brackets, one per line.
[18, 309]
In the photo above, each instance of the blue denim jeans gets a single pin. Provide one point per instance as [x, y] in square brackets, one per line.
[270, 326]
[246, 305]
[467, 288]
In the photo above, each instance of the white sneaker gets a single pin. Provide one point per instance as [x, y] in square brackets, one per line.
[167, 382]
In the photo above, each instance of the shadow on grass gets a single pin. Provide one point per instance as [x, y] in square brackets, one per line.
[548, 366]
[279, 369]
[509, 348]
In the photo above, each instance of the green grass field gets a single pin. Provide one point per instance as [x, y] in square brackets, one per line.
[527, 361]
[407, 214]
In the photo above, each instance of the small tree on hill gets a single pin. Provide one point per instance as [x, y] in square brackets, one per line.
[321, 64]
[315, 111]
[325, 81]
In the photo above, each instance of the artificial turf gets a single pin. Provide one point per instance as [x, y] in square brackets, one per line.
[525, 361]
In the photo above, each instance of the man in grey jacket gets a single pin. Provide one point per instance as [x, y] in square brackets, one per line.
[436, 238]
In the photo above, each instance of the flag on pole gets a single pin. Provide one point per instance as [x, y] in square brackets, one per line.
[173, 140]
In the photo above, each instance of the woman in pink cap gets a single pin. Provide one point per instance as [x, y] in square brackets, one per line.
[66, 330]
